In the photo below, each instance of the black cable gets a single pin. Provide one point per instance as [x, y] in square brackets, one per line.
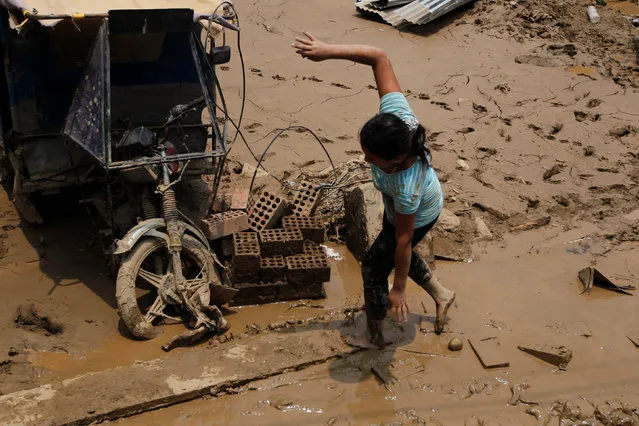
[259, 163]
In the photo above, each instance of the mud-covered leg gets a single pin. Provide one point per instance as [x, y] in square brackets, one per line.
[443, 297]
[376, 267]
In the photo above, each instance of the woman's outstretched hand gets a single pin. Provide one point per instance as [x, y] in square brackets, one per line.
[312, 48]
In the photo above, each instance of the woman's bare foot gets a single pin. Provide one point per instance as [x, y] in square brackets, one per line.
[442, 311]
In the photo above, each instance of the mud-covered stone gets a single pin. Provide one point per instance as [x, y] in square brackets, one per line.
[364, 216]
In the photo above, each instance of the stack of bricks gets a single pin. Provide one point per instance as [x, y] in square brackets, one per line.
[246, 257]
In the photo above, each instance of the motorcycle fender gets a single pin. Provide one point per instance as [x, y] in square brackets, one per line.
[149, 228]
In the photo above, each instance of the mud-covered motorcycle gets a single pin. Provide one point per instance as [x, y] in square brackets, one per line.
[87, 108]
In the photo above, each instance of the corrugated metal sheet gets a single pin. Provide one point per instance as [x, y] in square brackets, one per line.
[418, 12]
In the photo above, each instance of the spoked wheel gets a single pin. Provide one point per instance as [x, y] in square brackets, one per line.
[142, 297]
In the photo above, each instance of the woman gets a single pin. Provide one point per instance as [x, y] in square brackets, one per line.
[394, 144]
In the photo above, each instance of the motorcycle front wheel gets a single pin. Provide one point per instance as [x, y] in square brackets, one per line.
[142, 273]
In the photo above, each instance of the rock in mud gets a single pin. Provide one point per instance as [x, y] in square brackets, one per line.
[426, 249]
[556, 355]
[483, 232]
[455, 344]
[462, 165]
[364, 217]
[29, 318]
[554, 170]
[631, 218]
[448, 221]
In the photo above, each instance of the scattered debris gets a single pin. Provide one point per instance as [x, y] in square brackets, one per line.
[556, 355]
[479, 109]
[462, 165]
[634, 337]
[490, 209]
[591, 276]
[455, 344]
[519, 395]
[448, 221]
[620, 132]
[489, 352]
[29, 318]
[561, 200]
[594, 102]
[534, 224]
[340, 85]
[248, 171]
[631, 218]
[466, 130]
[483, 232]
[554, 170]
[539, 61]
[589, 151]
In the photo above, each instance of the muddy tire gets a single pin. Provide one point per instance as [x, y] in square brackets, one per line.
[129, 282]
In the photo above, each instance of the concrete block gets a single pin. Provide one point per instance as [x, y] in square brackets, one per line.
[305, 270]
[305, 200]
[272, 269]
[266, 211]
[556, 355]
[364, 215]
[246, 258]
[223, 224]
[312, 228]
[239, 199]
[281, 242]
[313, 248]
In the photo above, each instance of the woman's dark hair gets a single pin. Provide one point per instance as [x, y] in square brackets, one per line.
[388, 136]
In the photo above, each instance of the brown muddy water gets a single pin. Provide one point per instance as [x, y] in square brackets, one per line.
[119, 350]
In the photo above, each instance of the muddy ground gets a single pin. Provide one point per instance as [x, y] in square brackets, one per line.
[539, 104]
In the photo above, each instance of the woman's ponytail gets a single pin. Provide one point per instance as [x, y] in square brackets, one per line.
[419, 144]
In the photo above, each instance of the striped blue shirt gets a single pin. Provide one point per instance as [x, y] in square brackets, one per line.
[415, 190]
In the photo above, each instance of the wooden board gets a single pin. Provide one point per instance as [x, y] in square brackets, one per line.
[489, 353]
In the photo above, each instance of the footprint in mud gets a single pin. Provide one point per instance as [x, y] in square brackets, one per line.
[251, 127]
[312, 78]
[442, 105]
[341, 86]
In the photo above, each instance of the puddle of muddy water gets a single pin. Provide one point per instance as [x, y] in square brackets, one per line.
[625, 7]
[580, 70]
[344, 287]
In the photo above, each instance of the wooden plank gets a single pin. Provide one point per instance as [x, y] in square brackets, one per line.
[489, 353]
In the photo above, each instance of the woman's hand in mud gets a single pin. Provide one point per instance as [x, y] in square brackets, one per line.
[399, 307]
[311, 48]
